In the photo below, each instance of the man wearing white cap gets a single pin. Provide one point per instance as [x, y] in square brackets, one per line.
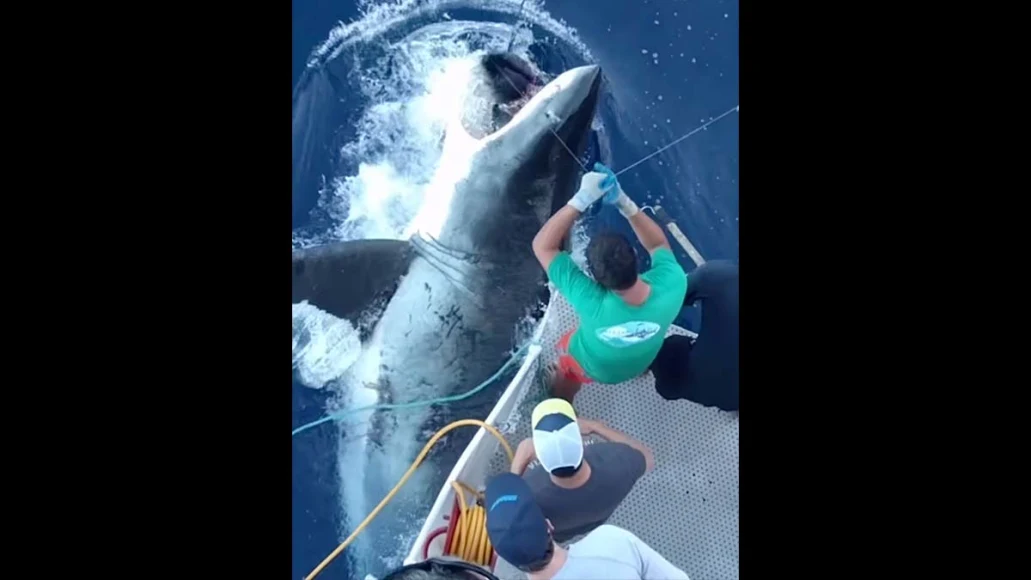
[578, 486]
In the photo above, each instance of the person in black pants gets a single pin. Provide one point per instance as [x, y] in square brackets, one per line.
[705, 370]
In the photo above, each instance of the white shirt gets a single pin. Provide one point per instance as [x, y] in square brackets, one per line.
[612, 553]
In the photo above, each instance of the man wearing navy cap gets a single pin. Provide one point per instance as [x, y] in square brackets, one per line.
[523, 537]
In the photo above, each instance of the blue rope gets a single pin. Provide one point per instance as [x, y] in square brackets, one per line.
[413, 404]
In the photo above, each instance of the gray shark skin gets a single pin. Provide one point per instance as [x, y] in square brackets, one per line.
[454, 300]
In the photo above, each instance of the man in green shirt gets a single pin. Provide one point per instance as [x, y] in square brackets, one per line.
[623, 316]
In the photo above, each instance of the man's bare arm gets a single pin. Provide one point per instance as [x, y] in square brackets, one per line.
[592, 426]
[548, 242]
[524, 454]
[650, 233]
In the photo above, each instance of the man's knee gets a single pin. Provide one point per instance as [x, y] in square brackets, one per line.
[717, 271]
[709, 279]
[669, 369]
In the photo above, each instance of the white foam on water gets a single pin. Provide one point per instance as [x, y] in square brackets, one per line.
[356, 391]
[397, 188]
[324, 346]
[379, 16]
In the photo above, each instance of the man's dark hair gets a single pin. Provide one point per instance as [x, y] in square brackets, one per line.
[564, 472]
[612, 261]
[543, 563]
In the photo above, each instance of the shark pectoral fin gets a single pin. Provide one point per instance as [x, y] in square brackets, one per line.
[346, 277]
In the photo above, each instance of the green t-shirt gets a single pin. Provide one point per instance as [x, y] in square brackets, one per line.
[616, 341]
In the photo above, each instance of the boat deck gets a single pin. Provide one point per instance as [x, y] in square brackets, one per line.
[687, 508]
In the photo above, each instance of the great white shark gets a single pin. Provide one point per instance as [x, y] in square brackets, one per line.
[454, 300]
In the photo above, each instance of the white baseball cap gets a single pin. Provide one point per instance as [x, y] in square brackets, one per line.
[556, 437]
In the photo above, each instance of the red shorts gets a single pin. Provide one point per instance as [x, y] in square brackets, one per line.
[567, 365]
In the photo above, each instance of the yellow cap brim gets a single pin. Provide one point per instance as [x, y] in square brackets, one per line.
[550, 407]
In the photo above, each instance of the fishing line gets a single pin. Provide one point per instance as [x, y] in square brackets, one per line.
[710, 122]
[638, 162]
[571, 154]
[515, 29]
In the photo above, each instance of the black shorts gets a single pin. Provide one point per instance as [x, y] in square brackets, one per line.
[705, 370]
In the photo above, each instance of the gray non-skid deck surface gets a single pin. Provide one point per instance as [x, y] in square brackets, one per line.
[687, 509]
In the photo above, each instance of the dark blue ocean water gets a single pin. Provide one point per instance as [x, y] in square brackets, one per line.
[669, 66]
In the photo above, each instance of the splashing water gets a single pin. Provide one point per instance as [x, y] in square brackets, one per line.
[324, 346]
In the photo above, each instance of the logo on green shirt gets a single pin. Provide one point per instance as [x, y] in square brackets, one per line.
[628, 333]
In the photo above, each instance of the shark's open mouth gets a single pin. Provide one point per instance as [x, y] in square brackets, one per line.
[503, 112]
[507, 84]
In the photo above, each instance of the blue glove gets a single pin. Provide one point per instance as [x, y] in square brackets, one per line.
[610, 185]
[614, 194]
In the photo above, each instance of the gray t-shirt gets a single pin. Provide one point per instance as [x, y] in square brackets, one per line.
[615, 468]
[612, 553]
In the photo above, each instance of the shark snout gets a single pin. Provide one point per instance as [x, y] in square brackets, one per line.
[576, 88]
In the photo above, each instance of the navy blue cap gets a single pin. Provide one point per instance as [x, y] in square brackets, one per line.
[515, 523]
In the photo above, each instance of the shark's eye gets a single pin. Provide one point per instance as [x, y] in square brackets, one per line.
[552, 116]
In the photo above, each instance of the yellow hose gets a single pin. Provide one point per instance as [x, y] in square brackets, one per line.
[465, 527]
[470, 541]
